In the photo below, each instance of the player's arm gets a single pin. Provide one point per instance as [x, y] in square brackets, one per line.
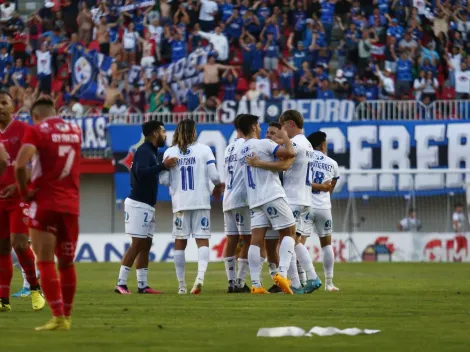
[145, 164]
[323, 187]
[23, 159]
[275, 166]
[285, 148]
[214, 176]
[3, 159]
[164, 178]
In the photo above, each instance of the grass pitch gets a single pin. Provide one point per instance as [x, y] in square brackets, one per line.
[418, 307]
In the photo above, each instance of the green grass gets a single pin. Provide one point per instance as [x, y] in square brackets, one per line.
[418, 307]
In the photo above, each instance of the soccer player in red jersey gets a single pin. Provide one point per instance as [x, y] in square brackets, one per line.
[3, 159]
[13, 212]
[54, 147]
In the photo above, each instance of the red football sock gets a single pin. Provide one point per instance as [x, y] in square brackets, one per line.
[51, 287]
[6, 274]
[26, 259]
[68, 283]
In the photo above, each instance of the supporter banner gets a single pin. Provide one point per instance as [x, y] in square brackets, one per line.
[93, 130]
[394, 247]
[138, 4]
[316, 110]
[355, 145]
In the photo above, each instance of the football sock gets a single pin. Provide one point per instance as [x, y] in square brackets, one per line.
[26, 259]
[293, 274]
[254, 262]
[68, 283]
[51, 287]
[272, 269]
[25, 280]
[242, 271]
[302, 274]
[305, 261]
[230, 268]
[180, 263]
[286, 250]
[6, 274]
[328, 263]
[142, 275]
[262, 263]
[202, 262]
[123, 275]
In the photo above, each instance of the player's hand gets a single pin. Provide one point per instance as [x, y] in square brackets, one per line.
[252, 161]
[281, 137]
[218, 190]
[8, 191]
[327, 186]
[170, 162]
[30, 195]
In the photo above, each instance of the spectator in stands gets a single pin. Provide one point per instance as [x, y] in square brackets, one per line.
[263, 83]
[431, 87]
[253, 93]
[44, 67]
[410, 222]
[403, 76]
[219, 43]
[271, 53]
[102, 35]
[70, 14]
[135, 98]
[458, 219]
[7, 9]
[419, 84]
[35, 31]
[462, 82]
[207, 13]
[229, 82]
[408, 43]
[119, 108]
[340, 85]
[387, 86]
[18, 79]
[325, 92]
[75, 106]
[211, 76]
[194, 97]
[130, 39]
[364, 49]
[112, 93]
[85, 24]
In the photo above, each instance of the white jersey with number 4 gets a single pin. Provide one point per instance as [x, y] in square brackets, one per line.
[262, 186]
[235, 189]
[297, 180]
[189, 180]
[324, 169]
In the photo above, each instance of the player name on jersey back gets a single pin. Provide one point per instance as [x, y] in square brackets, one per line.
[297, 180]
[189, 180]
[262, 186]
[324, 169]
[235, 189]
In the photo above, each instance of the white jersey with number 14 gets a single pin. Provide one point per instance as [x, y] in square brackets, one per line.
[324, 169]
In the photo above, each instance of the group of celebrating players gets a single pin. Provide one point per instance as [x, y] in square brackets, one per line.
[39, 196]
[276, 191]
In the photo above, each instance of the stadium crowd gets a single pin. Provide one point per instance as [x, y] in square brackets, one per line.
[266, 49]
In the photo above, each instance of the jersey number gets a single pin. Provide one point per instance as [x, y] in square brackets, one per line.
[68, 152]
[251, 183]
[230, 175]
[318, 178]
[307, 177]
[187, 178]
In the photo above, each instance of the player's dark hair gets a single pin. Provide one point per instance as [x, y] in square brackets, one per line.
[185, 134]
[316, 138]
[246, 122]
[236, 121]
[45, 107]
[275, 124]
[149, 127]
[457, 205]
[292, 115]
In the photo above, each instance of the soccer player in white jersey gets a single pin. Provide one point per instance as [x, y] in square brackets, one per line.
[324, 177]
[190, 197]
[297, 185]
[267, 202]
[236, 216]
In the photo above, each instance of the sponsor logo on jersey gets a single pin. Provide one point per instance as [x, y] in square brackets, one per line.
[272, 212]
[252, 213]
[296, 214]
[188, 151]
[239, 218]
[178, 223]
[327, 225]
[205, 223]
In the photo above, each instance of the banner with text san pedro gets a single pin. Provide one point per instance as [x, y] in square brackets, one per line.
[354, 145]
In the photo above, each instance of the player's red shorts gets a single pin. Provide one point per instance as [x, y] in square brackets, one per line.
[13, 217]
[63, 225]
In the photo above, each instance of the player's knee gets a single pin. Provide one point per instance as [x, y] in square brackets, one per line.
[325, 241]
[202, 242]
[65, 262]
[19, 242]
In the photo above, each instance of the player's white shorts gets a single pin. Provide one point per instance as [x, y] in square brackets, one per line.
[139, 219]
[322, 221]
[275, 214]
[195, 223]
[303, 221]
[272, 235]
[237, 221]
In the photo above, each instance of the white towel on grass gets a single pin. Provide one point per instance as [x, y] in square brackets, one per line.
[317, 330]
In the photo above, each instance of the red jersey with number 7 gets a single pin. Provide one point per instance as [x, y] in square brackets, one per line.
[56, 165]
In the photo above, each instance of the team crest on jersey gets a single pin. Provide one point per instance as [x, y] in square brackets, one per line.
[318, 156]
[239, 218]
[231, 148]
[188, 152]
[252, 213]
[328, 225]
[205, 223]
[245, 150]
[272, 212]
[178, 223]
[296, 214]
[62, 127]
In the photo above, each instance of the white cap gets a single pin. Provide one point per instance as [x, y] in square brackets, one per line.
[49, 4]
[339, 73]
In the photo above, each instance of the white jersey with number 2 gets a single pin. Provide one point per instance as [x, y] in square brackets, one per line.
[262, 186]
[235, 189]
[324, 169]
[189, 180]
[297, 180]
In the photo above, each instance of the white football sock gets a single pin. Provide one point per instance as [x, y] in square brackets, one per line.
[180, 263]
[286, 250]
[272, 269]
[301, 273]
[305, 261]
[328, 263]
[254, 261]
[262, 263]
[293, 274]
[242, 271]
[142, 275]
[123, 275]
[230, 268]
[202, 262]
[25, 280]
